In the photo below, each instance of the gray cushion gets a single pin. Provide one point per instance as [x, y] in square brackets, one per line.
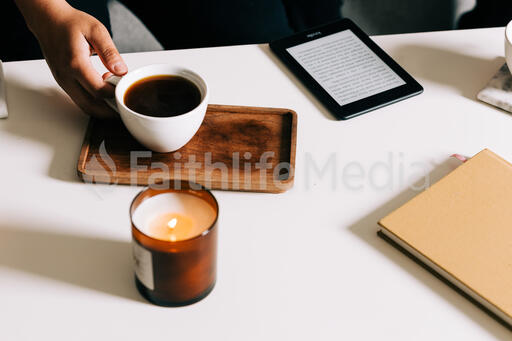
[374, 17]
[402, 16]
[128, 32]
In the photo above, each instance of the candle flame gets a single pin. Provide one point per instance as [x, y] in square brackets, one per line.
[172, 223]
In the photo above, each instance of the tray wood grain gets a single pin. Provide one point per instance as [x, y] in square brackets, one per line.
[236, 148]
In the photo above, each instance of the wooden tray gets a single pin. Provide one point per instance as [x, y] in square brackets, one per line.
[236, 148]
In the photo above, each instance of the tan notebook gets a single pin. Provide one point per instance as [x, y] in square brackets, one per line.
[461, 228]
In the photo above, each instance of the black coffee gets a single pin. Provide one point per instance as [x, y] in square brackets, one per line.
[162, 96]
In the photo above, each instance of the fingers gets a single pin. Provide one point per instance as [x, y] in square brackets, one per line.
[90, 105]
[103, 45]
[83, 71]
[84, 84]
[106, 75]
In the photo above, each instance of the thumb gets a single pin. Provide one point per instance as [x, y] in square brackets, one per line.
[103, 45]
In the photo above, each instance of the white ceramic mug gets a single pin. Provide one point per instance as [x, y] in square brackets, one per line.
[160, 134]
[508, 45]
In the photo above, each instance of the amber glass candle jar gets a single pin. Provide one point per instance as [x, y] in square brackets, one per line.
[175, 243]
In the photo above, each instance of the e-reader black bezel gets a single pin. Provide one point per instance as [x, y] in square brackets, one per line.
[343, 112]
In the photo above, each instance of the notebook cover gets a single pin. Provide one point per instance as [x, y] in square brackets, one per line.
[444, 280]
[463, 224]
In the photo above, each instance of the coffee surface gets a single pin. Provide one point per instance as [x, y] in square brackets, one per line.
[162, 96]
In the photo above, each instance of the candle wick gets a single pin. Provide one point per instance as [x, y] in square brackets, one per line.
[172, 223]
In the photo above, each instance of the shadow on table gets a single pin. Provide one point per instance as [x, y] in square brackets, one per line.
[47, 116]
[468, 74]
[366, 229]
[265, 48]
[97, 264]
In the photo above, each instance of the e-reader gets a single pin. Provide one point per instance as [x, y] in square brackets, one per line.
[347, 72]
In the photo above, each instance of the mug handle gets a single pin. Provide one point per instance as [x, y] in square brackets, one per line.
[114, 80]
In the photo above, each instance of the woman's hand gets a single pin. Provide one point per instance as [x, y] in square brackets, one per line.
[68, 37]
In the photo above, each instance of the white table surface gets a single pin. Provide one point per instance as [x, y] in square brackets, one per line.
[303, 265]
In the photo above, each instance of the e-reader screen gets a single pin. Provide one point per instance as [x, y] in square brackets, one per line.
[345, 69]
